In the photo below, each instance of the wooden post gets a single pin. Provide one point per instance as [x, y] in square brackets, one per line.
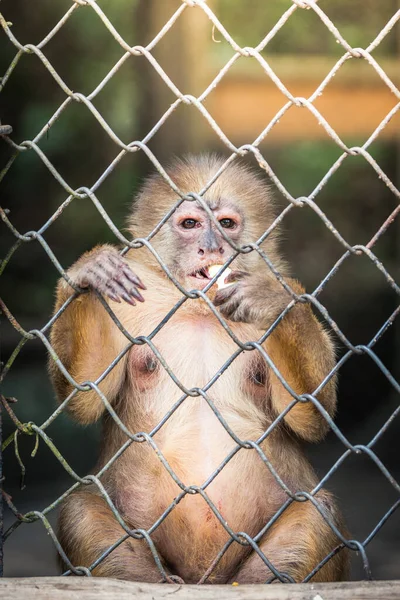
[181, 53]
[88, 588]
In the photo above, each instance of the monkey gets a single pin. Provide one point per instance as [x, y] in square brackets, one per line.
[248, 395]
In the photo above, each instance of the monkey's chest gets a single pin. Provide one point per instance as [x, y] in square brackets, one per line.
[143, 368]
[190, 355]
[196, 436]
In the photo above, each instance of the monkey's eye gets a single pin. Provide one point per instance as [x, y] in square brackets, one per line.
[189, 223]
[227, 223]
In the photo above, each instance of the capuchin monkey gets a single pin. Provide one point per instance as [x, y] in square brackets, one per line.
[248, 394]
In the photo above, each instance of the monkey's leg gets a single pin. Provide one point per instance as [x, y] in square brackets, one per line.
[296, 544]
[87, 528]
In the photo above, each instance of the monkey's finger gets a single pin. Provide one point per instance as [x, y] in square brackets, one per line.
[125, 291]
[116, 265]
[133, 278]
[224, 295]
[122, 265]
[127, 287]
[136, 294]
[229, 310]
[94, 278]
[113, 297]
[110, 291]
[236, 276]
[128, 299]
[108, 271]
[120, 279]
[99, 274]
[114, 287]
[116, 260]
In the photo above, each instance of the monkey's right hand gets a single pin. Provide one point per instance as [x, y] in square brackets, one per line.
[106, 271]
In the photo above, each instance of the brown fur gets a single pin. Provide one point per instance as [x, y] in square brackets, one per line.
[248, 396]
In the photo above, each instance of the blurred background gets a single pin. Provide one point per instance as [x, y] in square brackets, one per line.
[299, 151]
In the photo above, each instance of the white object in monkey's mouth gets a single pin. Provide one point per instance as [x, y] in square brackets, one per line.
[221, 281]
[207, 273]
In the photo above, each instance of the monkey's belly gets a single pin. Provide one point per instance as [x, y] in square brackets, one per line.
[243, 493]
[196, 445]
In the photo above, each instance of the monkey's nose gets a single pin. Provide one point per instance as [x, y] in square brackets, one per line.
[201, 251]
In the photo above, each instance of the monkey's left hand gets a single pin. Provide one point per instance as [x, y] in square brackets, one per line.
[252, 299]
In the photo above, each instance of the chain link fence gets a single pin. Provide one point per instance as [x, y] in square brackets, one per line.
[39, 431]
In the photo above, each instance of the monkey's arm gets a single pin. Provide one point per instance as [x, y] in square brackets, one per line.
[299, 347]
[304, 354]
[85, 337]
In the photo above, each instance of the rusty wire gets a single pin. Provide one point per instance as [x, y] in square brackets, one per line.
[39, 431]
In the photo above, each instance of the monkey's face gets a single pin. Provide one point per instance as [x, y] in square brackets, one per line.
[199, 244]
[189, 242]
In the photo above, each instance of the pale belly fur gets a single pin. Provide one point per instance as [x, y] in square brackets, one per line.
[195, 445]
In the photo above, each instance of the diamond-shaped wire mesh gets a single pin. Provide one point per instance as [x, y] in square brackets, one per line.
[256, 346]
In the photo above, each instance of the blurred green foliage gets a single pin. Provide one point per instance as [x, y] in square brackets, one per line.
[358, 21]
[82, 52]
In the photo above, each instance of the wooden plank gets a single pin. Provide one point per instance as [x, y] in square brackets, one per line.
[82, 588]
[354, 102]
[244, 108]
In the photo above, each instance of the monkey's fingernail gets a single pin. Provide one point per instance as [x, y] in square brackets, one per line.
[134, 279]
[114, 297]
[128, 299]
[136, 294]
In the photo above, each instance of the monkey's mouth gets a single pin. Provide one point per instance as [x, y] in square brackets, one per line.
[202, 277]
[202, 274]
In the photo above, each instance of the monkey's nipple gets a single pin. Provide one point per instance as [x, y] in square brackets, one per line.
[221, 281]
